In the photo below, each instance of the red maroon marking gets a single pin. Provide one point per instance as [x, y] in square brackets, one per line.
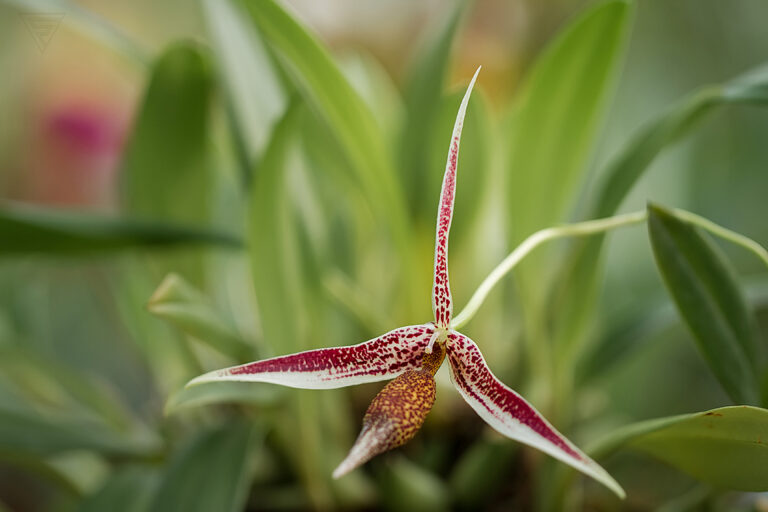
[384, 355]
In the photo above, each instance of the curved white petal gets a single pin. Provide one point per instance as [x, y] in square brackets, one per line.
[510, 414]
[381, 358]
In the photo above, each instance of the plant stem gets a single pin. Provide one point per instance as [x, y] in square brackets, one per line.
[589, 227]
[586, 228]
[724, 233]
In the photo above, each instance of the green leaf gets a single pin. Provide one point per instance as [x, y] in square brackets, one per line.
[273, 250]
[213, 393]
[188, 309]
[483, 468]
[28, 432]
[423, 96]
[704, 287]
[127, 490]
[210, 473]
[166, 171]
[408, 487]
[557, 116]
[26, 230]
[247, 70]
[57, 386]
[324, 87]
[724, 447]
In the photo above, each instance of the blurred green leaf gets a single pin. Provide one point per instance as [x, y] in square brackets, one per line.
[724, 447]
[213, 393]
[708, 298]
[128, 489]
[55, 385]
[423, 96]
[27, 432]
[188, 309]
[165, 170]
[27, 230]
[252, 86]
[210, 473]
[557, 115]
[481, 470]
[274, 258]
[408, 487]
[375, 86]
[325, 89]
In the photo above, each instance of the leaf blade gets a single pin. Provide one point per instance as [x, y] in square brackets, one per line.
[724, 447]
[35, 230]
[557, 115]
[704, 289]
[227, 449]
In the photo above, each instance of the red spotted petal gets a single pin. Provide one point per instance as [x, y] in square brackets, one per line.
[381, 358]
[442, 305]
[509, 413]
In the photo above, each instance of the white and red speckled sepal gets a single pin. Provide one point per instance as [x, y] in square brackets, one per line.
[509, 413]
[442, 305]
[378, 359]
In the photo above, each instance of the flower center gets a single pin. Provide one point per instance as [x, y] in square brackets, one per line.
[440, 336]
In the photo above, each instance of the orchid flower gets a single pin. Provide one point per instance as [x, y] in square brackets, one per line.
[411, 356]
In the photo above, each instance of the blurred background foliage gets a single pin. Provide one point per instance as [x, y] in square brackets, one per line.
[191, 185]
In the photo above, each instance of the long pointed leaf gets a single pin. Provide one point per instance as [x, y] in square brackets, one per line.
[423, 97]
[25, 230]
[708, 298]
[211, 473]
[324, 87]
[557, 116]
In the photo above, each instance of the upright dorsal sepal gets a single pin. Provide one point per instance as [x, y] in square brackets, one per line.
[442, 303]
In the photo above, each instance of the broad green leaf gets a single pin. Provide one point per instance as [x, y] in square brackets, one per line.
[128, 489]
[324, 87]
[724, 447]
[557, 115]
[27, 432]
[212, 472]
[253, 89]
[375, 86]
[425, 84]
[213, 393]
[188, 309]
[25, 230]
[165, 170]
[578, 277]
[704, 287]
[273, 250]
